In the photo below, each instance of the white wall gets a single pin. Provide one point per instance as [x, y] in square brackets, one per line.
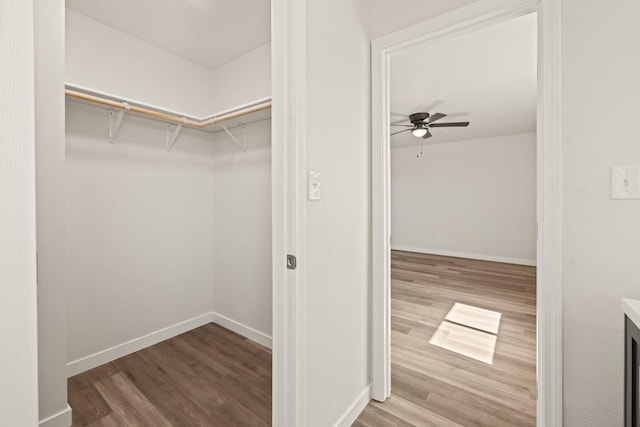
[139, 223]
[243, 80]
[389, 16]
[105, 59]
[50, 199]
[18, 314]
[601, 236]
[473, 198]
[338, 146]
[242, 228]
[102, 58]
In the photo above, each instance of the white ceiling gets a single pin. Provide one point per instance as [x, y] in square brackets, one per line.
[208, 32]
[487, 77]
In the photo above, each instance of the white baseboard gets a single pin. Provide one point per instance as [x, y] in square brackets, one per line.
[356, 408]
[100, 358]
[481, 257]
[61, 419]
[243, 330]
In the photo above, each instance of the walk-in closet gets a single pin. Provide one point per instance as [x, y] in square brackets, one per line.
[167, 214]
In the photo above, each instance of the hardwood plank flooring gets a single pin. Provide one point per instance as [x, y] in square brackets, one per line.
[209, 376]
[433, 386]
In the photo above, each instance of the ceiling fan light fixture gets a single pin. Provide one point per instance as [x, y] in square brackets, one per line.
[419, 132]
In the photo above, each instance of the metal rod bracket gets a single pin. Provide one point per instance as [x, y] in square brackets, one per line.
[171, 139]
[243, 146]
[115, 128]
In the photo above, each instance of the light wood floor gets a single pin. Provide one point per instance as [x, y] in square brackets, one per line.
[432, 386]
[206, 377]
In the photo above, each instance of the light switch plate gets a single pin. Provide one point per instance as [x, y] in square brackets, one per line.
[313, 190]
[625, 182]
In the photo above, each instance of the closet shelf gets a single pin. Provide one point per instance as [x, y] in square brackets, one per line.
[208, 123]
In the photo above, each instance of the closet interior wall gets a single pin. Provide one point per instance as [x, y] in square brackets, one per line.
[242, 231]
[102, 58]
[139, 230]
[157, 241]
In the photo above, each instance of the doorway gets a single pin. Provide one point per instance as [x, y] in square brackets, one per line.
[145, 186]
[463, 21]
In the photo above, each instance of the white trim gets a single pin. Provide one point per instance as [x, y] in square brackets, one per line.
[60, 419]
[105, 356]
[288, 156]
[468, 255]
[549, 277]
[356, 408]
[101, 357]
[244, 330]
[479, 14]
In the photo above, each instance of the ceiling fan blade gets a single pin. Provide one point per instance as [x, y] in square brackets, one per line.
[406, 130]
[450, 125]
[406, 126]
[427, 135]
[436, 116]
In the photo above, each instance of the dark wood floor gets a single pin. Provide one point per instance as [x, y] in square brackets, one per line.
[206, 377]
[432, 386]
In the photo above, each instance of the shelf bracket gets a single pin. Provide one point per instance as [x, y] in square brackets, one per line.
[115, 128]
[242, 146]
[171, 139]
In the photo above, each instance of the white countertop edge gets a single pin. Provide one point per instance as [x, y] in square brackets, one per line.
[631, 308]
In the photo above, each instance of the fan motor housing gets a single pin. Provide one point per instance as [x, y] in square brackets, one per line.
[418, 117]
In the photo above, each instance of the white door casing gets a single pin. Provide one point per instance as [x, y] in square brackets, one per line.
[480, 14]
[288, 211]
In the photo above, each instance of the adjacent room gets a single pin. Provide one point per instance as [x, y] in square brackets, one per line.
[463, 230]
[168, 213]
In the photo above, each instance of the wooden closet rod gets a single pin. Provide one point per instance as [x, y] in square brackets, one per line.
[167, 116]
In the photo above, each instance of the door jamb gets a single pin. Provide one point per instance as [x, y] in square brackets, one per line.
[288, 212]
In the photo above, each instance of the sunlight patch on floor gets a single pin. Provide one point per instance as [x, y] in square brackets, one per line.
[469, 331]
[474, 317]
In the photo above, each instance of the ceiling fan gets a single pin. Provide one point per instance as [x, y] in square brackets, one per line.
[421, 122]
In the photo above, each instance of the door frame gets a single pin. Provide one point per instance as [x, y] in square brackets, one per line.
[480, 14]
[288, 160]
